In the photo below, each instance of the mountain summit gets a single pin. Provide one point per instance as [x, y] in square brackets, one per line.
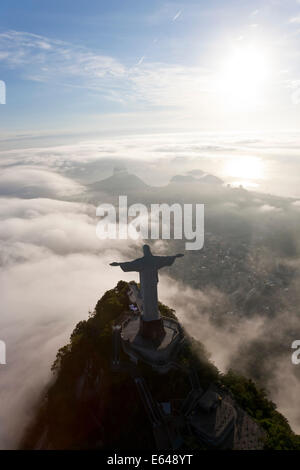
[120, 182]
[101, 398]
[203, 178]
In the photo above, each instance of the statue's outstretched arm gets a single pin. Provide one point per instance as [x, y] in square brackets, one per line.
[129, 265]
[162, 261]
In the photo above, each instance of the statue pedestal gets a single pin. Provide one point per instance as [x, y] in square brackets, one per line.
[152, 330]
[159, 348]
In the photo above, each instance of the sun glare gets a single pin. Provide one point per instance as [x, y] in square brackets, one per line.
[245, 167]
[243, 75]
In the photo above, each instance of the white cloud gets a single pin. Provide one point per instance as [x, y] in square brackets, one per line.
[178, 14]
[296, 94]
[227, 341]
[51, 274]
[197, 89]
[158, 157]
[53, 268]
[46, 60]
[295, 19]
[269, 208]
[42, 300]
[171, 85]
[30, 181]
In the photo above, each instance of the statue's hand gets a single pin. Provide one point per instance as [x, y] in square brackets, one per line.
[180, 255]
[114, 264]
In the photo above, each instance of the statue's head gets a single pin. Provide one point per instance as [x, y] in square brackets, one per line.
[146, 250]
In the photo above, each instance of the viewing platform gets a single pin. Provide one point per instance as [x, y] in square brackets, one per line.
[160, 353]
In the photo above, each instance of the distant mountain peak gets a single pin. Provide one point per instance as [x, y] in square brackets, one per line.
[197, 176]
[120, 171]
[120, 180]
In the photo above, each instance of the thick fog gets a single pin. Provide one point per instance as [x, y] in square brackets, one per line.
[53, 268]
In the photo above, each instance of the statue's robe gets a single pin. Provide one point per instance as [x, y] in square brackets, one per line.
[148, 267]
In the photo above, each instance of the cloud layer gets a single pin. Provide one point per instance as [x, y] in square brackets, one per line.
[51, 274]
[53, 268]
[258, 347]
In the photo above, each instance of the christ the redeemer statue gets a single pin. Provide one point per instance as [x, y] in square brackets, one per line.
[148, 266]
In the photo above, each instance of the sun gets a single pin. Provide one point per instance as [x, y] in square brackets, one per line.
[247, 167]
[243, 76]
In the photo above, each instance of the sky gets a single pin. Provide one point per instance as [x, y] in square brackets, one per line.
[99, 67]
